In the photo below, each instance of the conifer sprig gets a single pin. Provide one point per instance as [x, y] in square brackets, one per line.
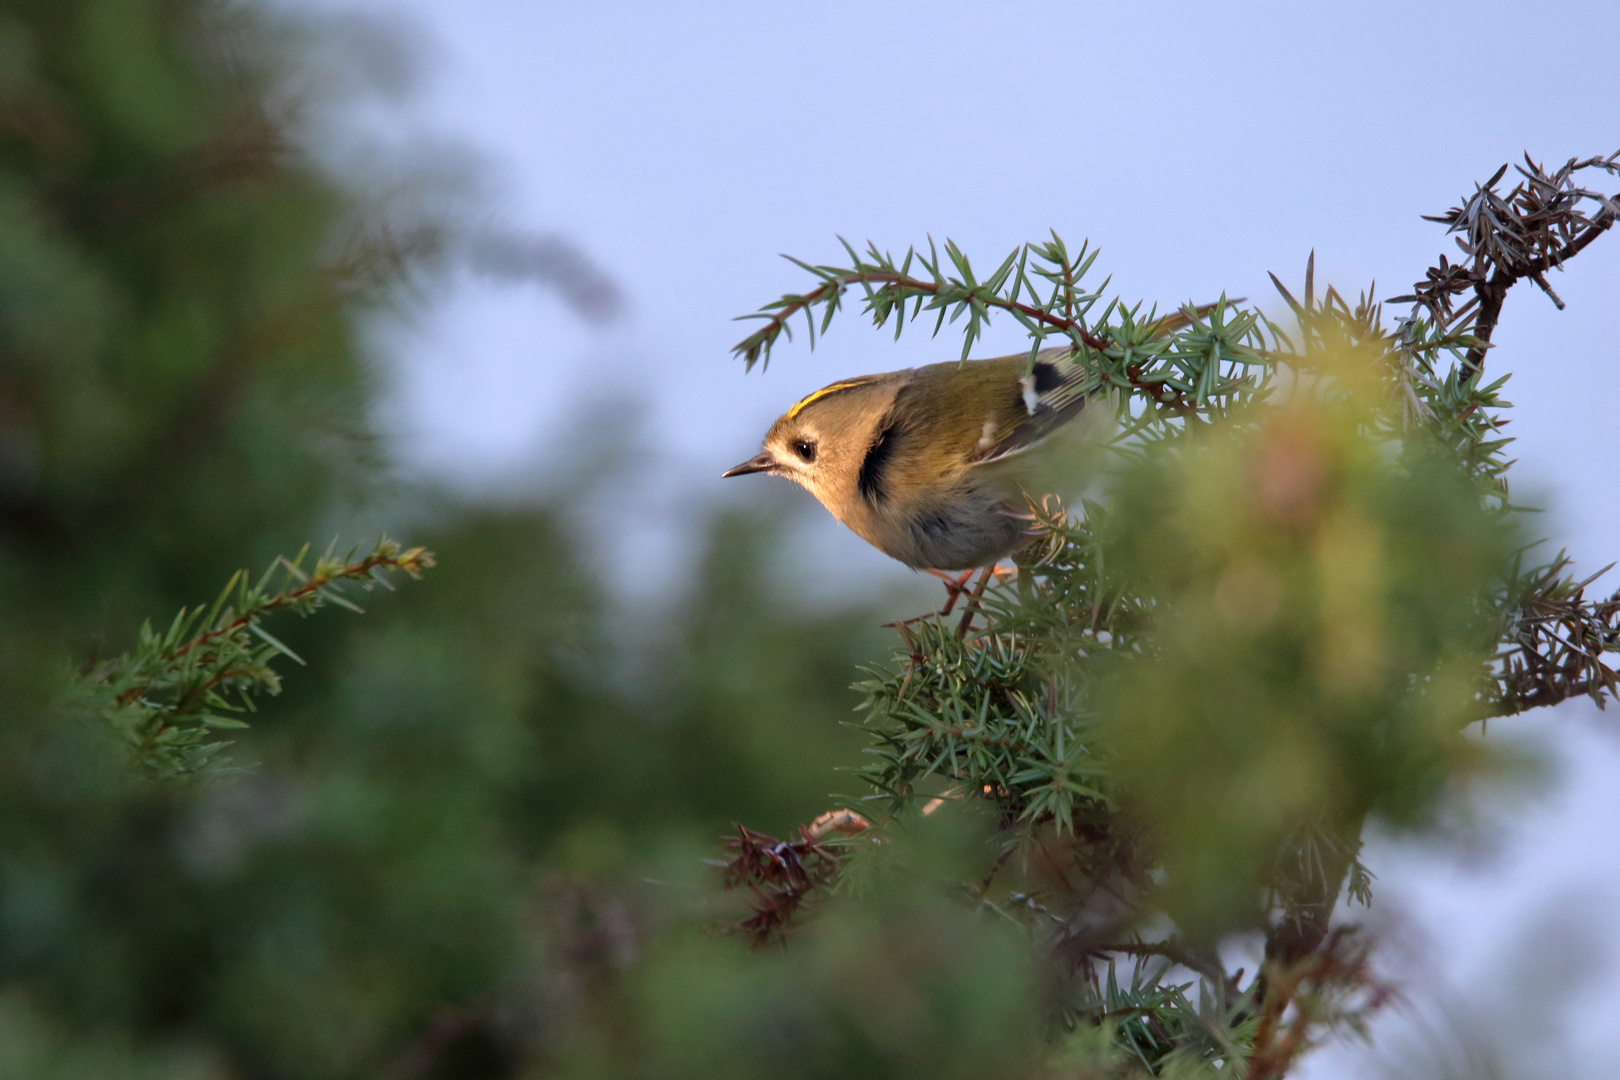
[1536, 226]
[170, 696]
[1187, 364]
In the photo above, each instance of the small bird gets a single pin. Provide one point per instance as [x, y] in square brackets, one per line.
[923, 463]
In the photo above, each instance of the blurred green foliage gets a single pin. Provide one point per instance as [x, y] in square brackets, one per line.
[1320, 641]
[448, 804]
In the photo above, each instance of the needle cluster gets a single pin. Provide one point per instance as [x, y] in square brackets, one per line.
[172, 695]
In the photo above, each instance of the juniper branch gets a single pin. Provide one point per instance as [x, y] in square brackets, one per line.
[1140, 355]
[1540, 224]
[166, 697]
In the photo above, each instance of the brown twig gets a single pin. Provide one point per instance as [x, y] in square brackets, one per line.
[836, 283]
[777, 322]
[954, 588]
[782, 874]
[972, 608]
[412, 562]
[409, 561]
[1536, 227]
[1277, 1045]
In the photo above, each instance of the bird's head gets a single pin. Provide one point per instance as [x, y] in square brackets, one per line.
[822, 440]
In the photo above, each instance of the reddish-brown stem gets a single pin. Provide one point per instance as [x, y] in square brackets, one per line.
[1274, 1050]
[314, 584]
[973, 602]
[838, 282]
[954, 588]
[1493, 292]
[1160, 394]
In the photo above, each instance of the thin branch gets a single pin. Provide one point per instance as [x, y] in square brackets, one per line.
[165, 697]
[749, 349]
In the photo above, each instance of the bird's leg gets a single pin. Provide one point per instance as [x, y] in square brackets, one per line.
[955, 586]
[973, 601]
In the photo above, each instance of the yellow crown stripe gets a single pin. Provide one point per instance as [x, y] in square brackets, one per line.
[847, 384]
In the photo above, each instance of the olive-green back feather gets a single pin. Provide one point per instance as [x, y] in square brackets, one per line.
[986, 411]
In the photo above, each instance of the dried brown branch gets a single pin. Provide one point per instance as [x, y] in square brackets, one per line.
[1555, 642]
[1310, 987]
[1541, 223]
[782, 874]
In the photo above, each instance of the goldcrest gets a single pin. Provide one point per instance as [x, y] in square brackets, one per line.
[923, 463]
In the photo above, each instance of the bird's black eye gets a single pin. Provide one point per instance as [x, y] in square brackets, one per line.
[805, 449]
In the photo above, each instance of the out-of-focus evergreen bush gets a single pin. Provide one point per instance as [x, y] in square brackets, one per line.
[433, 863]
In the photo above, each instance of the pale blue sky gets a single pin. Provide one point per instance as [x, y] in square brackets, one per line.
[1200, 145]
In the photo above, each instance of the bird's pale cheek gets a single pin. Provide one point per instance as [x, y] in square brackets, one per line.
[809, 484]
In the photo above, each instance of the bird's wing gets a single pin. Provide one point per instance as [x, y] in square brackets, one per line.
[1054, 391]
[1049, 395]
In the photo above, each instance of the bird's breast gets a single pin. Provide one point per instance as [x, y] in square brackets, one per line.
[973, 526]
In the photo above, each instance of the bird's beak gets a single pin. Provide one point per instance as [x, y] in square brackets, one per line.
[763, 461]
